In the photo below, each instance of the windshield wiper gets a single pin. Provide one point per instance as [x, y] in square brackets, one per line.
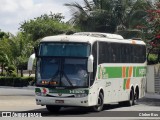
[67, 79]
[55, 75]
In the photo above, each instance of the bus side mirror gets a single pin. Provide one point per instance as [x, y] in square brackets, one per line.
[31, 62]
[90, 64]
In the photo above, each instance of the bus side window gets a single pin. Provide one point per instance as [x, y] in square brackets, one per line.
[116, 50]
[113, 52]
[123, 53]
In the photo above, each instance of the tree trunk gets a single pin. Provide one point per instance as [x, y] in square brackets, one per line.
[17, 71]
[2, 67]
[21, 72]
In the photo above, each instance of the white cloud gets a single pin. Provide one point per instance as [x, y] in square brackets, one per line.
[8, 6]
[14, 12]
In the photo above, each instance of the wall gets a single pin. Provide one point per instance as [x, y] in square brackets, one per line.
[153, 78]
[150, 79]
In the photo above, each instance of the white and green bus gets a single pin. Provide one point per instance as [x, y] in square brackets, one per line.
[89, 70]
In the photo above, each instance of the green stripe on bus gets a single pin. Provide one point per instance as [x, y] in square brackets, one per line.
[99, 73]
[139, 71]
[127, 69]
[124, 84]
[116, 72]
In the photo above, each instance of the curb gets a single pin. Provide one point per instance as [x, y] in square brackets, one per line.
[10, 87]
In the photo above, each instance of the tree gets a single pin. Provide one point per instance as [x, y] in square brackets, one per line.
[153, 28]
[107, 15]
[4, 53]
[45, 25]
[91, 17]
[21, 48]
[3, 60]
[3, 35]
[15, 51]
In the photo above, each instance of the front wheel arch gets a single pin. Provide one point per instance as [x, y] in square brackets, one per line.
[100, 102]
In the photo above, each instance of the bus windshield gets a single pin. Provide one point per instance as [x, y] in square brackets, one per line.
[65, 49]
[63, 64]
[62, 72]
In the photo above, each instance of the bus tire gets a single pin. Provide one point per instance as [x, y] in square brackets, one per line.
[100, 105]
[131, 100]
[53, 109]
[136, 96]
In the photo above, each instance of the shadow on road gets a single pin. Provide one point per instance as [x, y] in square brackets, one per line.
[69, 111]
[149, 101]
[87, 112]
[75, 111]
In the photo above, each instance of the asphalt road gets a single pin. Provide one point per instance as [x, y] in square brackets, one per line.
[23, 100]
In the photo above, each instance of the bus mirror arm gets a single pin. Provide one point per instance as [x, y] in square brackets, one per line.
[90, 63]
[31, 62]
[36, 51]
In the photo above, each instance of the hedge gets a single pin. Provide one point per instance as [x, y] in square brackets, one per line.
[16, 81]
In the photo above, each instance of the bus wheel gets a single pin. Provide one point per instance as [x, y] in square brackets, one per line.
[131, 100]
[136, 96]
[99, 106]
[53, 109]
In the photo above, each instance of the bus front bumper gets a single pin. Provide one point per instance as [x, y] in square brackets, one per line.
[42, 100]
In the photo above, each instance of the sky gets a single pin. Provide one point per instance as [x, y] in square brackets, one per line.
[14, 12]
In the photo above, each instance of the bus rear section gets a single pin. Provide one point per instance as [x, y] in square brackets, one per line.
[121, 70]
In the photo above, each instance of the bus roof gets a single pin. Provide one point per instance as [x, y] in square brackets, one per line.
[101, 35]
[90, 37]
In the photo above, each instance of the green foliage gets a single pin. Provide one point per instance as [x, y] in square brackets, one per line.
[153, 33]
[16, 81]
[15, 51]
[13, 74]
[3, 35]
[108, 15]
[152, 58]
[45, 25]
[130, 34]
[3, 57]
[3, 74]
[91, 17]
[153, 21]
[10, 69]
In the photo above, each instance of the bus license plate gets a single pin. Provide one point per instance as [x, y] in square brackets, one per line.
[59, 101]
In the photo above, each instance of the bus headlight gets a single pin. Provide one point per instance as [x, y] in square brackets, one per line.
[38, 93]
[80, 95]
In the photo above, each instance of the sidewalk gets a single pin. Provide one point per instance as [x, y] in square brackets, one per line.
[152, 95]
[10, 87]
[16, 91]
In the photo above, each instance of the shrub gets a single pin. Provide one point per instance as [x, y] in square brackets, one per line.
[4, 74]
[152, 59]
[13, 74]
[11, 71]
[15, 81]
[11, 68]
